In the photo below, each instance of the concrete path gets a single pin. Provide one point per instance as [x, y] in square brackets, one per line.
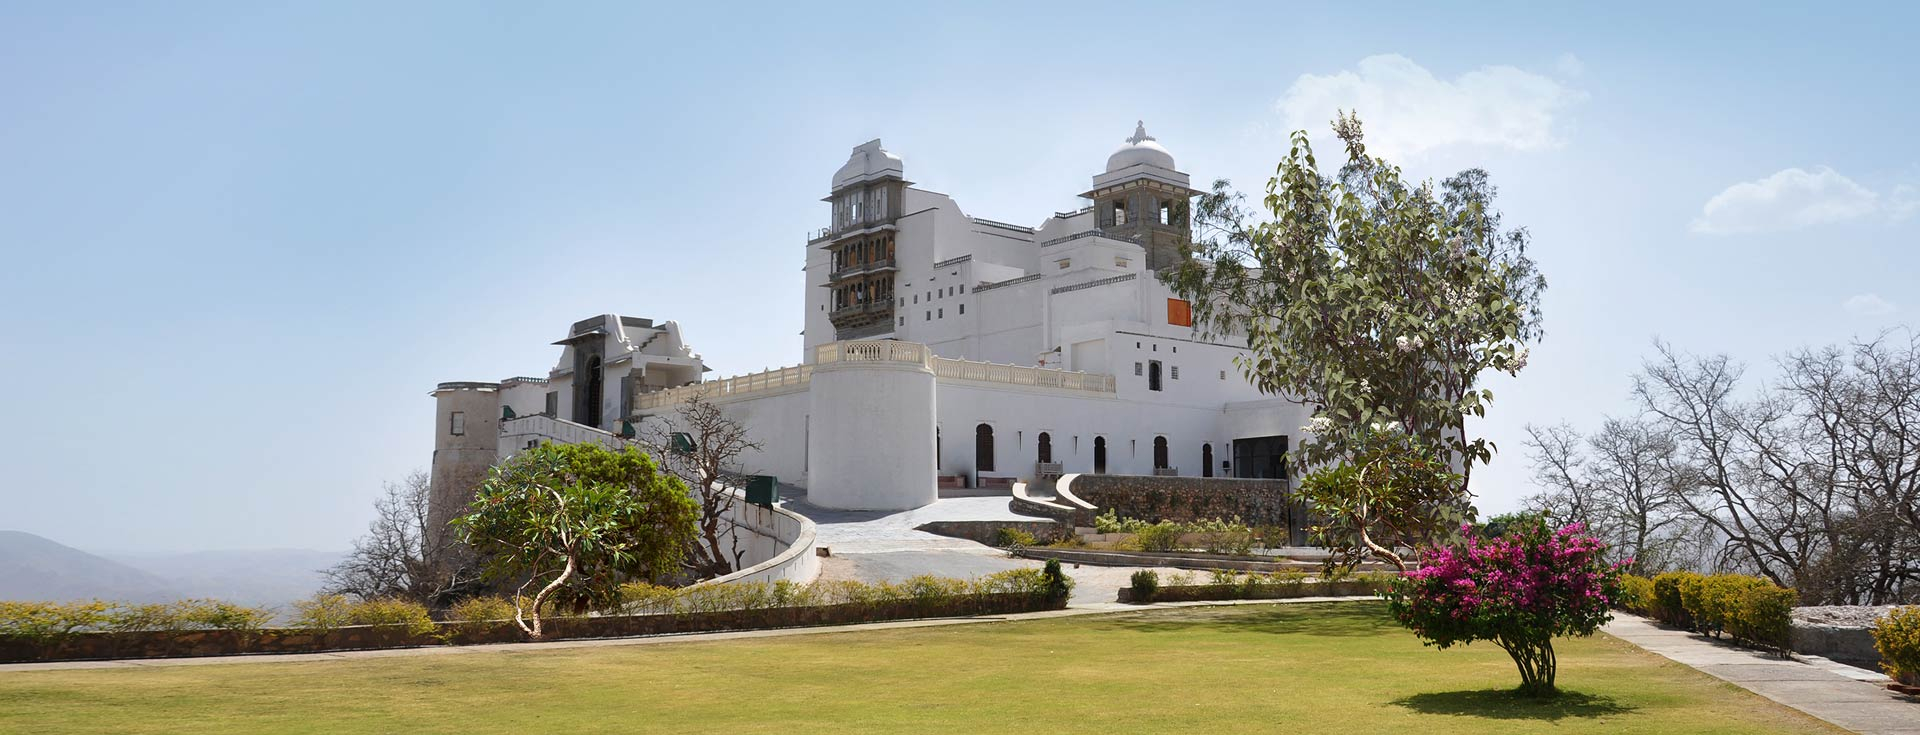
[1849, 697]
[1072, 611]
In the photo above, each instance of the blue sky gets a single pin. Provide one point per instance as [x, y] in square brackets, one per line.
[241, 243]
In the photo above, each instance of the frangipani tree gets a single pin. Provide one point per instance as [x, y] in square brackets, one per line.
[574, 521]
[1372, 299]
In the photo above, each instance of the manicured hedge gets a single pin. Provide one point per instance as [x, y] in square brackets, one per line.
[1146, 587]
[1748, 609]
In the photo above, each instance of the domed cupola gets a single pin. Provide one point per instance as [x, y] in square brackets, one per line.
[1141, 148]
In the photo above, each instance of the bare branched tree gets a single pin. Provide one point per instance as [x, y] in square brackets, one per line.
[402, 555]
[1812, 482]
[1619, 483]
[712, 469]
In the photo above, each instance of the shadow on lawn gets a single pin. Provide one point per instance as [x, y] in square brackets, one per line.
[1346, 619]
[1504, 704]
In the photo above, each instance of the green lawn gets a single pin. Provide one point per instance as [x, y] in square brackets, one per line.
[1279, 668]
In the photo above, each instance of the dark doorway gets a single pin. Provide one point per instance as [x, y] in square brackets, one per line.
[1046, 447]
[983, 448]
[1260, 457]
[1153, 375]
[1160, 453]
[596, 390]
[1206, 460]
[1099, 455]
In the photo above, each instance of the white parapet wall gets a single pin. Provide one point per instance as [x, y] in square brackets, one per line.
[778, 545]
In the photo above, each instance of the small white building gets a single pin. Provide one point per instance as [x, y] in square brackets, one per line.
[940, 349]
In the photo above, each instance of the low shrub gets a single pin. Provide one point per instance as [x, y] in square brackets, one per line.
[411, 615]
[1057, 584]
[1897, 636]
[323, 612]
[1162, 536]
[1010, 537]
[1224, 576]
[1636, 594]
[220, 615]
[1145, 583]
[480, 609]
[47, 622]
[1693, 599]
[1668, 607]
[1762, 615]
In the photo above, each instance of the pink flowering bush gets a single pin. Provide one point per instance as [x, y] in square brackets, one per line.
[1520, 589]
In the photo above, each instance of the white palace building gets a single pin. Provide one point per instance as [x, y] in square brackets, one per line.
[941, 350]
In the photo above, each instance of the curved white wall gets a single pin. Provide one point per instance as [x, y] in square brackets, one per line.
[779, 546]
[871, 436]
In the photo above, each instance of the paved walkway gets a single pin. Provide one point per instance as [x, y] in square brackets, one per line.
[1846, 696]
[1073, 611]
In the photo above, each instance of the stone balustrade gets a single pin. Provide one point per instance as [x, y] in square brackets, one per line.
[877, 351]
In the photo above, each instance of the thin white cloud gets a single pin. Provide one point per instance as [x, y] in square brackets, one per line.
[1791, 199]
[1870, 304]
[1408, 111]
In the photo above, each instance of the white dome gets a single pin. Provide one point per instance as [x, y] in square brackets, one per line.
[869, 160]
[1141, 148]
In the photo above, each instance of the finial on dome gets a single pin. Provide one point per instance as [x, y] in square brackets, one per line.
[1139, 132]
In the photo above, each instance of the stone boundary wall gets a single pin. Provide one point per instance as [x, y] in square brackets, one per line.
[1211, 592]
[988, 532]
[1150, 498]
[170, 644]
[1851, 646]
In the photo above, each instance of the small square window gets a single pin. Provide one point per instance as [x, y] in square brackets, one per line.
[458, 423]
[1064, 263]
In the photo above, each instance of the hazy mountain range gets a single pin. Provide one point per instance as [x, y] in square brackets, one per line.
[36, 568]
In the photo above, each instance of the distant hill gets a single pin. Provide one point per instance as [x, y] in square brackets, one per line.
[35, 568]
[272, 577]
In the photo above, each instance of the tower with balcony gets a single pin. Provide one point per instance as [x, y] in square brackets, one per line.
[857, 248]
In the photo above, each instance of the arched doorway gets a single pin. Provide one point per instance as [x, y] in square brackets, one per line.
[596, 389]
[1099, 455]
[1206, 460]
[1046, 447]
[1160, 453]
[983, 448]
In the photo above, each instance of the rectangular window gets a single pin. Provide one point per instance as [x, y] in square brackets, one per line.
[458, 423]
[1223, 375]
[943, 312]
[1119, 262]
[1137, 369]
[963, 308]
[553, 399]
[1064, 263]
[1174, 372]
[963, 288]
[1119, 213]
[929, 317]
[1153, 375]
[903, 322]
[1179, 312]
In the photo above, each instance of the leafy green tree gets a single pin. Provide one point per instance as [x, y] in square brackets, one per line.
[1374, 300]
[578, 520]
[1391, 493]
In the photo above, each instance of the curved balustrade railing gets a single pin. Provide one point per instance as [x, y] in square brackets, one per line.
[911, 353]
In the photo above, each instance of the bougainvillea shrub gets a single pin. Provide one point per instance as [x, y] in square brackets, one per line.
[1519, 590]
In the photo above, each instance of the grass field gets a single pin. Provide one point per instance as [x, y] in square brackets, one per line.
[1251, 669]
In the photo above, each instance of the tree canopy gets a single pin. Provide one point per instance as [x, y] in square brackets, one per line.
[575, 521]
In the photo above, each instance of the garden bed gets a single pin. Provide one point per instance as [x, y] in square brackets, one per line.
[165, 644]
[1242, 591]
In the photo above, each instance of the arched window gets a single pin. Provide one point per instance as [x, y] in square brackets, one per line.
[1046, 447]
[1160, 453]
[1099, 455]
[1206, 460]
[983, 448]
[595, 390]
